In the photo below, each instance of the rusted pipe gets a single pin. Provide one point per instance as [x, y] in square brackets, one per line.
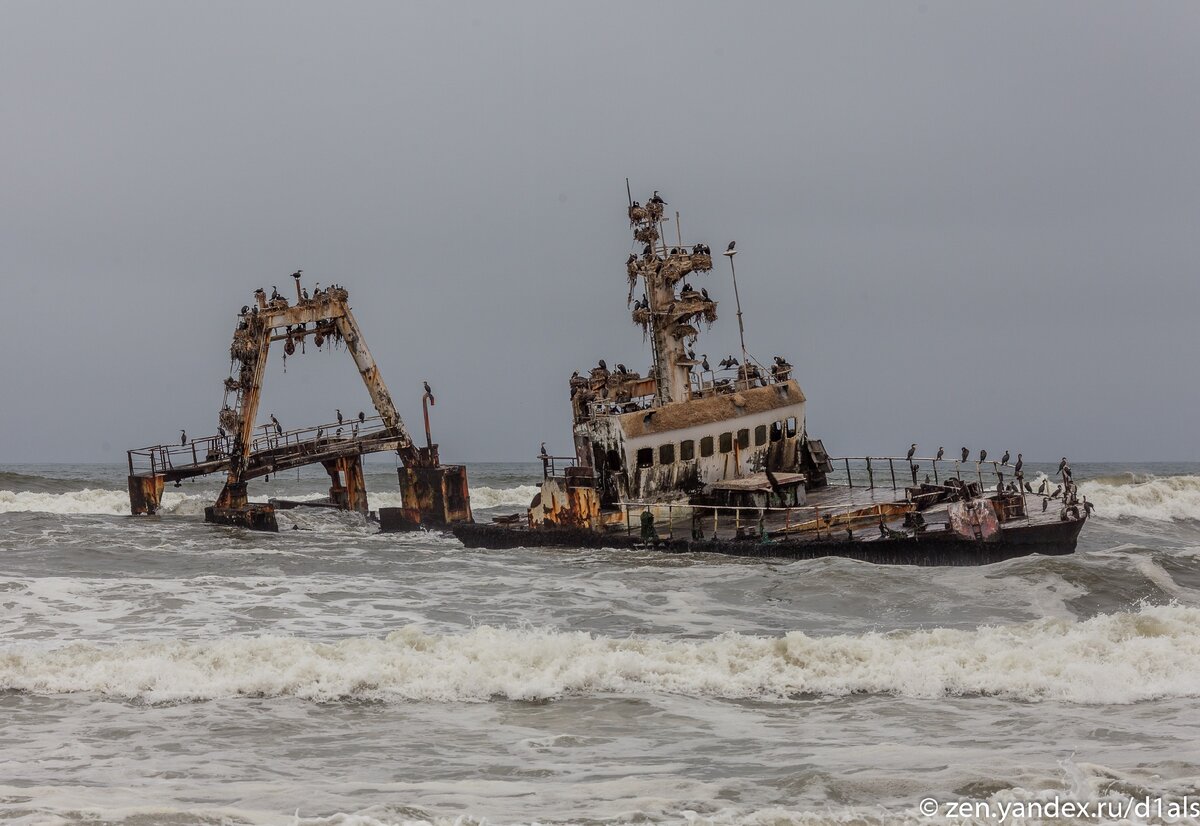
[427, 401]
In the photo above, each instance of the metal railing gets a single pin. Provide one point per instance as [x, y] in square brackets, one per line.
[158, 459]
[898, 472]
[550, 464]
[810, 521]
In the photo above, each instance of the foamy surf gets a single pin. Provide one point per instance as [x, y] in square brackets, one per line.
[1143, 496]
[1109, 659]
[97, 501]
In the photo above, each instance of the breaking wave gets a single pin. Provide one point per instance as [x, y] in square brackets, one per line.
[1115, 658]
[116, 502]
[482, 497]
[1144, 496]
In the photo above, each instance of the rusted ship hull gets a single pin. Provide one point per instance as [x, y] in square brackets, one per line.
[934, 549]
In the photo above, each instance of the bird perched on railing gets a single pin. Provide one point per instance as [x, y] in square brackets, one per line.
[362, 417]
[278, 427]
[183, 438]
[1020, 464]
[941, 452]
[911, 451]
[983, 455]
[966, 454]
[339, 415]
[1004, 458]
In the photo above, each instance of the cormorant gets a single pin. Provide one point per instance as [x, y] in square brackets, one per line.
[304, 293]
[941, 451]
[1042, 488]
[274, 292]
[278, 429]
[654, 199]
[1045, 504]
[704, 364]
[1056, 493]
[1028, 488]
[704, 292]
[1020, 464]
[320, 432]
[1062, 465]
[296, 274]
[543, 454]
[983, 455]
[1088, 507]
[966, 454]
[183, 437]
[362, 417]
[1004, 458]
[621, 369]
[602, 365]
[911, 451]
[339, 415]
[428, 389]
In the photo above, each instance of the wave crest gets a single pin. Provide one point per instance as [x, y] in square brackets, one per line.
[1144, 496]
[1118, 658]
[116, 502]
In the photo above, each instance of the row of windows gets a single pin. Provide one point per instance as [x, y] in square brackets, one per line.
[724, 443]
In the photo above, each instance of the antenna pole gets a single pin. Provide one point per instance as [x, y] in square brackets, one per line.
[628, 192]
[678, 230]
[741, 329]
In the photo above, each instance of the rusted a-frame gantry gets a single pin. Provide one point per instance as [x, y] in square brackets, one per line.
[236, 451]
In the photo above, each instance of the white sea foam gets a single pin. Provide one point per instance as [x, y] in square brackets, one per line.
[1117, 658]
[116, 502]
[1157, 498]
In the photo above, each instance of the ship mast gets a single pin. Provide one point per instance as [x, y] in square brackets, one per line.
[669, 317]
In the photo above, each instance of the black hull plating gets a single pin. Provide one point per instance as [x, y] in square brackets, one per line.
[1052, 539]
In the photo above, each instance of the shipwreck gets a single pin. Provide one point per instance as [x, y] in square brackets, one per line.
[433, 494]
[692, 456]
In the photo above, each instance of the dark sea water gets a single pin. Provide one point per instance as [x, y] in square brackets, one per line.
[163, 671]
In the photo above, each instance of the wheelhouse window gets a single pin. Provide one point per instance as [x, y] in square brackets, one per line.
[645, 457]
[791, 426]
[666, 455]
[760, 435]
[776, 431]
[687, 450]
[706, 446]
[726, 442]
[743, 438]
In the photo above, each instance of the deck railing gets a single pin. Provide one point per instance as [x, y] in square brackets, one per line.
[158, 459]
[810, 520]
[899, 472]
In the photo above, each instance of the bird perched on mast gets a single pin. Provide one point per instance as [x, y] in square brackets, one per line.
[729, 250]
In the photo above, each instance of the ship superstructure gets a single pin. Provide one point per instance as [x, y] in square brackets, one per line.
[685, 431]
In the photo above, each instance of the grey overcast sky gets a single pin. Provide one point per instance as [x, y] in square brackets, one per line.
[964, 223]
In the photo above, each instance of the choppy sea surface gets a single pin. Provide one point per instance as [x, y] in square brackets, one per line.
[163, 671]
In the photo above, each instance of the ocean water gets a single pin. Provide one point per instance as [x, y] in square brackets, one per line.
[158, 670]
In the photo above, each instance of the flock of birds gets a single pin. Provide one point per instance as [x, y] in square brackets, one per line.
[1067, 490]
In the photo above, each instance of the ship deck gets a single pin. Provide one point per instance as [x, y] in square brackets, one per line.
[833, 511]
